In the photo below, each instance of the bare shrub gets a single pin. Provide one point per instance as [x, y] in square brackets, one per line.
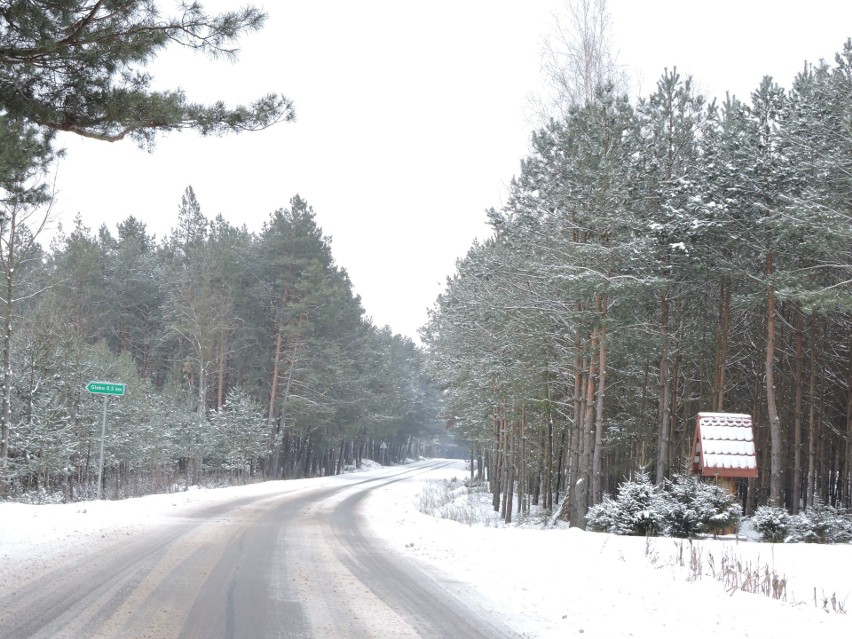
[452, 499]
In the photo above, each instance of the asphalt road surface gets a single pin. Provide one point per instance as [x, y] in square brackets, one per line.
[296, 565]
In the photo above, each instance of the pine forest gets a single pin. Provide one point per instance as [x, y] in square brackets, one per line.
[245, 356]
[658, 258]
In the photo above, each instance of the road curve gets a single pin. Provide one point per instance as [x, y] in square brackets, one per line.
[296, 565]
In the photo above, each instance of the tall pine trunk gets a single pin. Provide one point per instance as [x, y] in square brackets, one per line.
[220, 394]
[576, 439]
[294, 350]
[848, 465]
[810, 488]
[664, 414]
[6, 416]
[722, 345]
[495, 474]
[7, 374]
[797, 415]
[198, 460]
[273, 423]
[583, 475]
[548, 451]
[771, 405]
[597, 469]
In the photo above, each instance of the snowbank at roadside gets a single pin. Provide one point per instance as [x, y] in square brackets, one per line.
[560, 582]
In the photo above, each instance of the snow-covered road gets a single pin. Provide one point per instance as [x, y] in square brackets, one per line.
[290, 564]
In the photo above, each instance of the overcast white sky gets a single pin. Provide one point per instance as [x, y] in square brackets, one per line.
[412, 117]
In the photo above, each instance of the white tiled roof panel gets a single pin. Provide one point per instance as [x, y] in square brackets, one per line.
[729, 461]
[724, 419]
[728, 447]
[740, 433]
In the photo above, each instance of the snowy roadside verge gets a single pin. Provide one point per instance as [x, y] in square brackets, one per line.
[564, 582]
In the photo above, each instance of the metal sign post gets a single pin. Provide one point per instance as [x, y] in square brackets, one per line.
[101, 460]
[106, 389]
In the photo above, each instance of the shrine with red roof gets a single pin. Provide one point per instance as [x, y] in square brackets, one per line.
[723, 446]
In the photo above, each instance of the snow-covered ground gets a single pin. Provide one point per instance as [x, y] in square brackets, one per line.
[553, 582]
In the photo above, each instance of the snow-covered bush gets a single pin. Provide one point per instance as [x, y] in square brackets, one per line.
[693, 507]
[771, 523]
[844, 533]
[725, 513]
[686, 507]
[685, 511]
[601, 517]
[820, 524]
[636, 510]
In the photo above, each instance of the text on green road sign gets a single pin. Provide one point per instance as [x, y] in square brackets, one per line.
[106, 388]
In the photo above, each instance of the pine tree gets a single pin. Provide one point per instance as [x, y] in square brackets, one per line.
[240, 434]
[82, 67]
[198, 309]
[25, 154]
[20, 228]
[134, 297]
[671, 122]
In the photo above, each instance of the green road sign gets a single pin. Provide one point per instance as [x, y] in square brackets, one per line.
[106, 388]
